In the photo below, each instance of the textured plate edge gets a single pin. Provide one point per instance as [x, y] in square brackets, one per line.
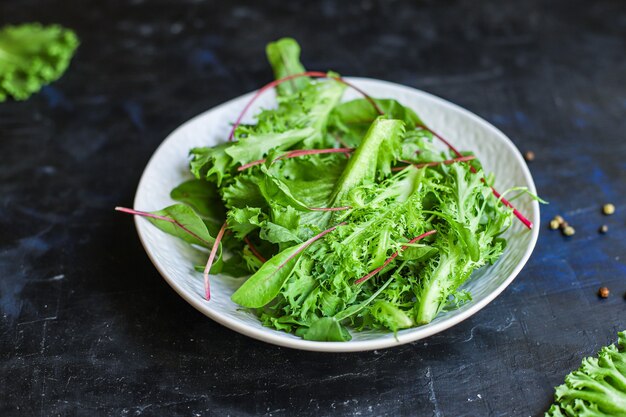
[417, 333]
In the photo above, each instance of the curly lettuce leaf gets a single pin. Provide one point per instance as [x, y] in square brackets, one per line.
[31, 56]
[597, 388]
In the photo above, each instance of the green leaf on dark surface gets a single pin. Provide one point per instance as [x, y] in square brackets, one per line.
[597, 388]
[31, 56]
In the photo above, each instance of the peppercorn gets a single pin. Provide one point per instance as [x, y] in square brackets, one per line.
[608, 209]
[568, 230]
[603, 229]
[554, 224]
[559, 219]
[529, 156]
[603, 292]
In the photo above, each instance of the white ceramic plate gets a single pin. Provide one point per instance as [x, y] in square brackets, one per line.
[175, 259]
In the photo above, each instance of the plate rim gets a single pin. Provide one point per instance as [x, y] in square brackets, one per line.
[417, 333]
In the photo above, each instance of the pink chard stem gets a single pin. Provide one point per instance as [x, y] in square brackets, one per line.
[144, 214]
[392, 257]
[207, 268]
[517, 214]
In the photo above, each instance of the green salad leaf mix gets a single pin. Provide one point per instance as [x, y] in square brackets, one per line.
[342, 214]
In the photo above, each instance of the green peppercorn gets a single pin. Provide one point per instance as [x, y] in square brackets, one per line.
[608, 209]
[568, 231]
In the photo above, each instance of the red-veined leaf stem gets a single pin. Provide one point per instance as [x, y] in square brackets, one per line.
[207, 268]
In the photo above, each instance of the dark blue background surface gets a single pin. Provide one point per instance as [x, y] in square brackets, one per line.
[87, 326]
